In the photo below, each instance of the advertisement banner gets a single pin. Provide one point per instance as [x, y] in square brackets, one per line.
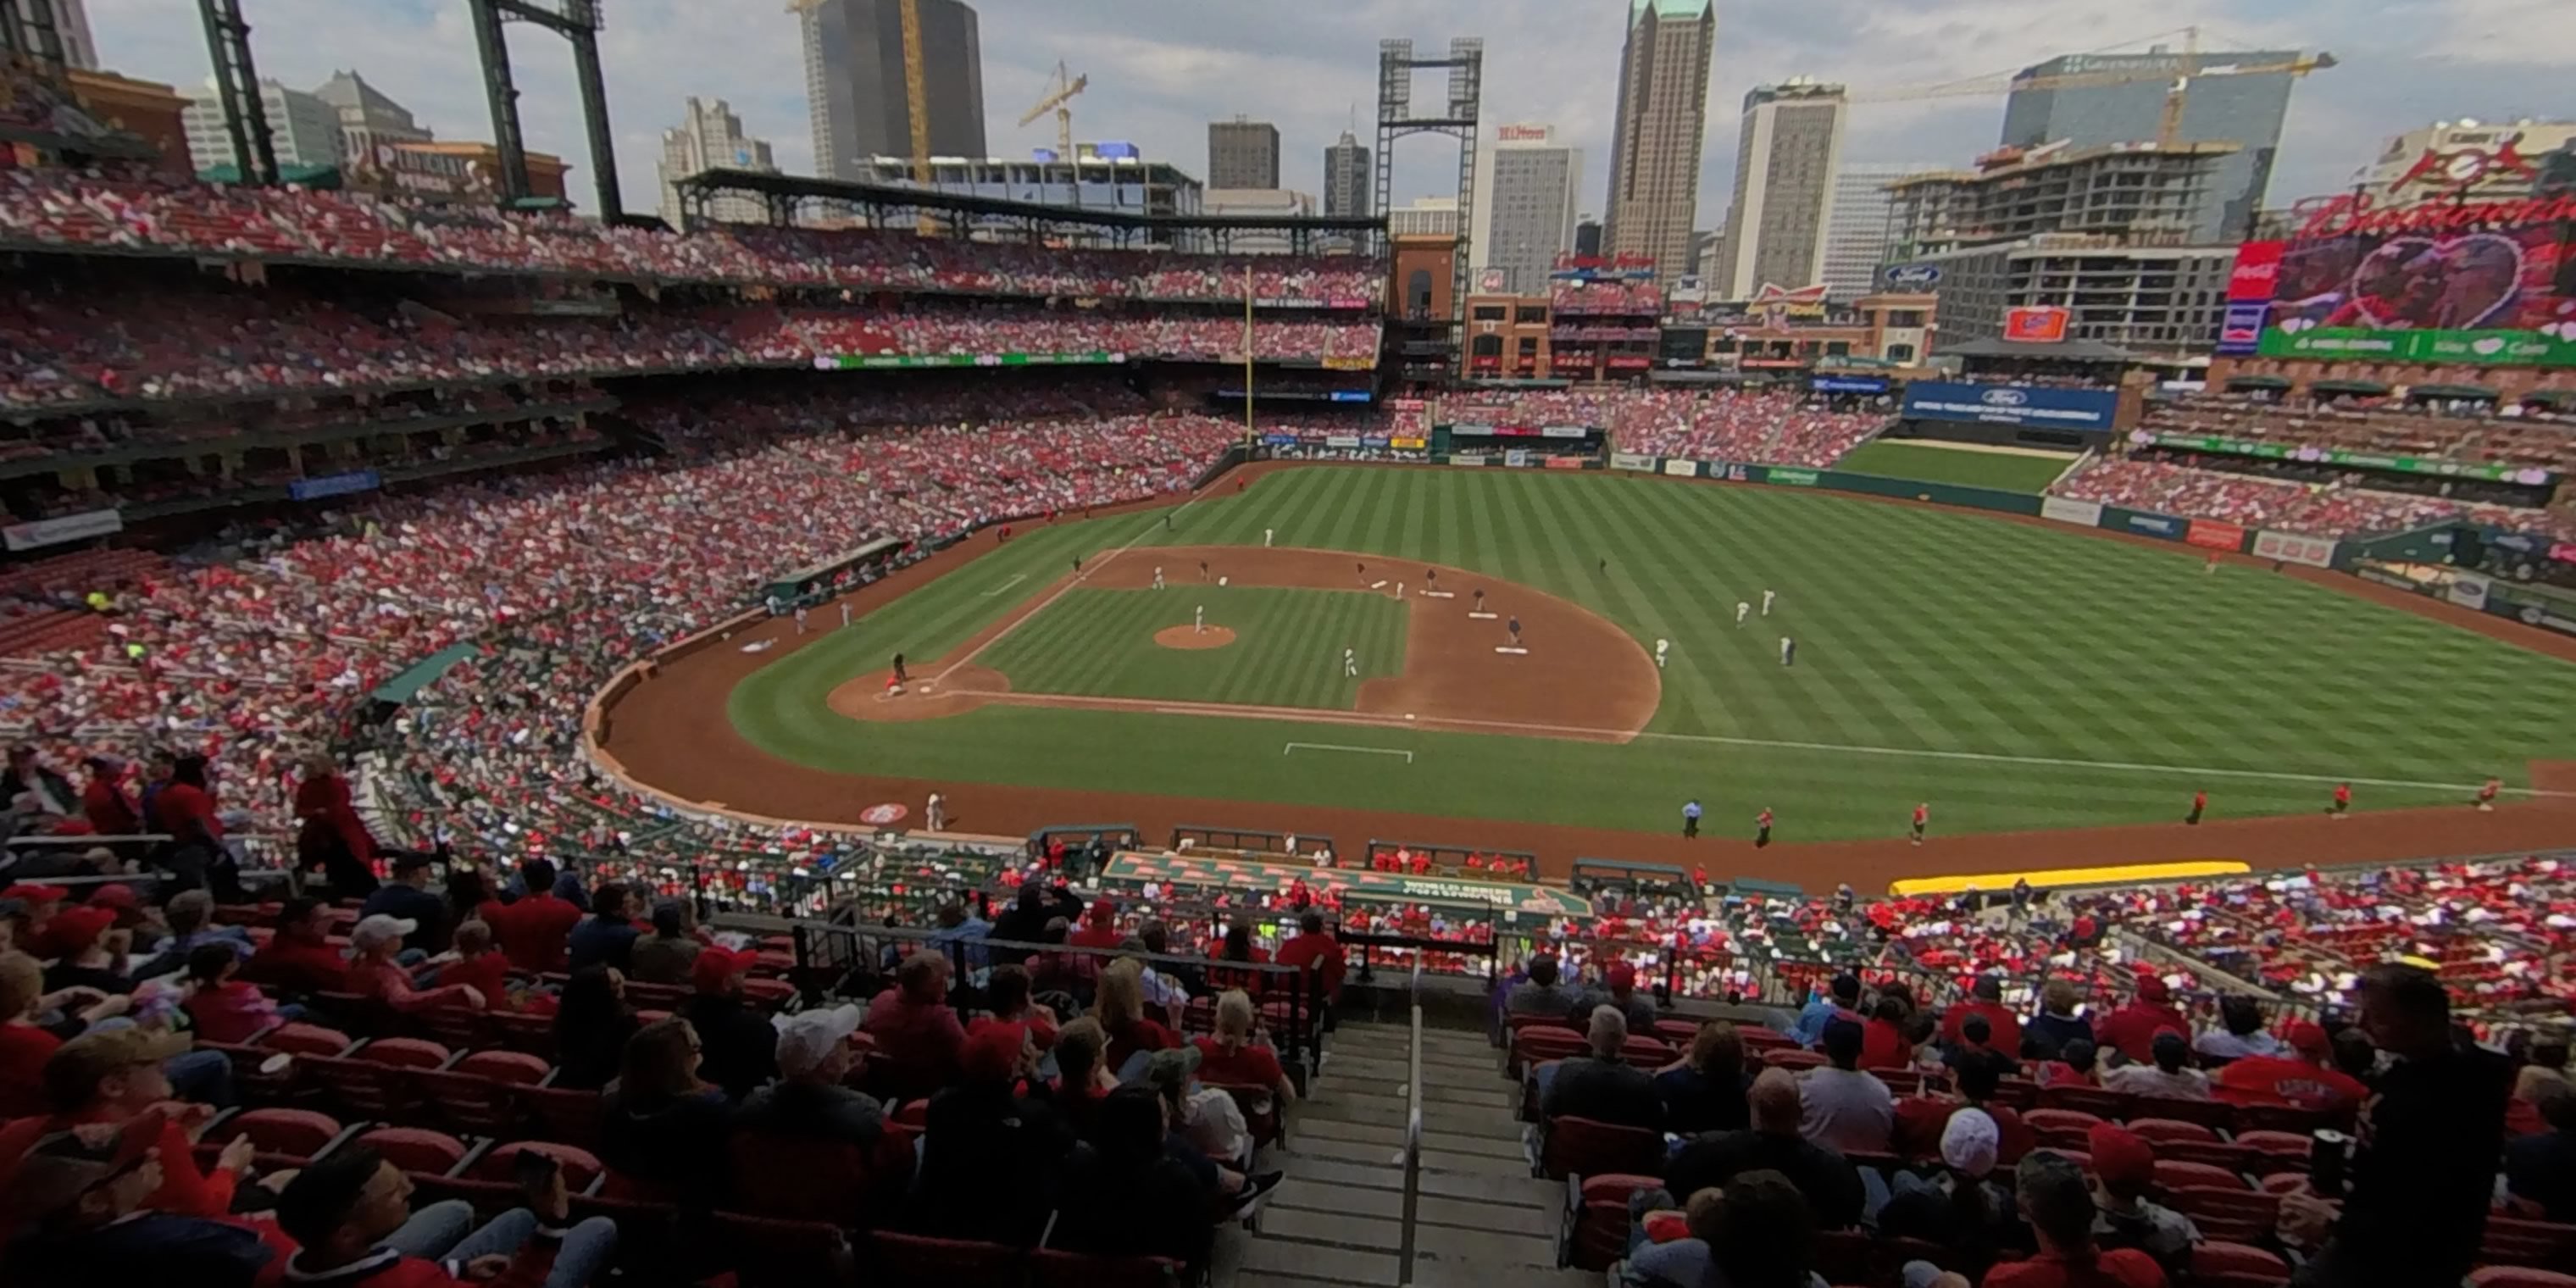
[2010, 405]
[69, 527]
[2257, 274]
[1349, 364]
[1847, 384]
[1471, 431]
[1374, 440]
[2268, 450]
[315, 489]
[1629, 361]
[1341, 440]
[1565, 462]
[1788, 477]
[1279, 440]
[2240, 331]
[1631, 461]
[1467, 458]
[2210, 534]
[1516, 458]
[1409, 444]
[2442, 280]
[2038, 324]
[856, 361]
[2469, 590]
[2083, 514]
[2290, 547]
[2156, 525]
[1682, 469]
[1563, 431]
[2517, 348]
[1910, 277]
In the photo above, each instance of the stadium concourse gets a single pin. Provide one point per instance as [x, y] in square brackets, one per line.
[779, 1077]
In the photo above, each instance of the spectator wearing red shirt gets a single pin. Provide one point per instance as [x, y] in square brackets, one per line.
[225, 1009]
[476, 962]
[299, 957]
[1315, 948]
[26, 1045]
[2303, 1078]
[1883, 1044]
[185, 808]
[115, 1077]
[535, 933]
[1985, 998]
[1099, 927]
[1120, 1009]
[374, 973]
[1230, 1057]
[41, 903]
[2058, 1204]
[330, 835]
[916, 1031]
[1921, 1119]
[1006, 991]
[1238, 947]
[105, 802]
[2131, 1030]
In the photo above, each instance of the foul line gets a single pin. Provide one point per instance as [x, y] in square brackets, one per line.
[1374, 719]
[1016, 579]
[1335, 746]
[1005, 632]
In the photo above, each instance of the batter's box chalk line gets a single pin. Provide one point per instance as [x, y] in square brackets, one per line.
[1335, 746]
[1484, 617]
[1512, 649]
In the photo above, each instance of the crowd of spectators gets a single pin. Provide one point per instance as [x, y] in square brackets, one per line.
[1764, 426]
[119, 210]
[2477, 433]
[2176, 483]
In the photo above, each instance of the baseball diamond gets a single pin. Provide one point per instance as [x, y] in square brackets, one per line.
[2024, 677]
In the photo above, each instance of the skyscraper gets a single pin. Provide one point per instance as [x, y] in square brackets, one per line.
[1857, 236]
[303, 130]
[1587, 236]
[1243, 154]
[71, 25]
[1786, 153]
[2242, 109]
[710, 137]
[1655, 138]
[1524, 201]
[1346, 178]
[854, 87]
[368, 119]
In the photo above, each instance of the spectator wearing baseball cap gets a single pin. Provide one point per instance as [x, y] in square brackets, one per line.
[374, 973]
[81, 1199]
[408, 897]
[350, 1214]
[92, 950]
[809, 1099]
[34, 904]
[1840, 1000]
[2124, 1169]
[1619, 989]
[741, 1048]
[2305, 1077]
[1957, 1208]
[2131, 1030]
[1986, 999]
[989, 1154]
[224, 1008]
[116, 1077]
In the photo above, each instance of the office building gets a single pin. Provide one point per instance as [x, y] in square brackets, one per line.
[1787, 150]
[368, 119]
[2163, 301]
[303, 130]
[1243, 154]
[71, 26]
[1857, 236]
[1347, 178]
[2497, 160]
[854, 86]
[1655, 136]
[1587, 237]
[148, 110]
[2245, 110]
[1526, 183]
[1267, 203]
[2138, 193]
[710, 137]
[1426, 217]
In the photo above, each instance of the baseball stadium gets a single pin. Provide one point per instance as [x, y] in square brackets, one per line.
[629, 731]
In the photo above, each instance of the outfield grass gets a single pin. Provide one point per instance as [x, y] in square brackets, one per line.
[2003, 471]
[1287, 650]
[2015, 676]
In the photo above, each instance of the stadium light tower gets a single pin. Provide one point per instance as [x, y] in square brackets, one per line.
[28, 35]
[236, 86]
[578, 22]
[1396, 64]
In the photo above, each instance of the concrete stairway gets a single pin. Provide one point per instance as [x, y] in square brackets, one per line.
[1338, 1219]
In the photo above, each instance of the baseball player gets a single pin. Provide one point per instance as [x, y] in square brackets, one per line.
[1077, 565]
[1766, 603]
[2487, 794]
[1788, 651]
[1662, 647]
[775, 605]
[800, 619]
[1741, 610]
[898, 669]
[1480, 599]
[894, 686]
[1762, 828]
[1363, 572]
[1158, 576]
[1351, 663]
[845, 612]
[1198, 619]
[2199, 807]
[1265, 536]
[1203, 570]
[1922, 819]
[1515, 625]
[937, 813]
[1399, 590]
[2342, 802]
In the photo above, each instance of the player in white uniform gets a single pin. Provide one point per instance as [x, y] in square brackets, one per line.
[845, 612]
[1741, 608]
[937, 813]
[1198, 619]
[800, 619]
[1158, 576]
[1661, 647]
[1265, 536]
[1788, 651]
[1766, 603]
[1351, 663]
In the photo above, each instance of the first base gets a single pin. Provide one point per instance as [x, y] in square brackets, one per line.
[1220, 581]
[1511, 649]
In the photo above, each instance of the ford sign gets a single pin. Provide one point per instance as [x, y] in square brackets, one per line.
[1913, 275]
[2003, 398]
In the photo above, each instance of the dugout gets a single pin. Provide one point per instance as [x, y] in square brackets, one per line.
[1452, 858]
[816, 582]
[1253, 840]
[1618, 876]
[1116, 836]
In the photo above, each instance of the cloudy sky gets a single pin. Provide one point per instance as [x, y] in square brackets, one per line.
[1161, 69]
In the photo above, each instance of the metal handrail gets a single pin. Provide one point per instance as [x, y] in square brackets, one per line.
[1410, 1227]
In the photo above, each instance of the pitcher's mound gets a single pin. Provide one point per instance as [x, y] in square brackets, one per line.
[1184, 637]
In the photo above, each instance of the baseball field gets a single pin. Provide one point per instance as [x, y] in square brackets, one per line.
[2018, 677]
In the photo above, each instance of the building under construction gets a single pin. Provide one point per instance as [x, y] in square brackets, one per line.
[2143, 193]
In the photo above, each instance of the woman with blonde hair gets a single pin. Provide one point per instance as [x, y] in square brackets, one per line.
[1120, 1009]
[1231, 1058]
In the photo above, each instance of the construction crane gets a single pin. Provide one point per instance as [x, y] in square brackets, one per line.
[2168, 126]
[916, 95]
[1064, 88]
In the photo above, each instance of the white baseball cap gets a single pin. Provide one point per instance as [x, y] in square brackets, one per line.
[808, 1038]
[373, 932]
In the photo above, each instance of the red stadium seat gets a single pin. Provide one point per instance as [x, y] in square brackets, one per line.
[1600, 1233]
[2277, 1150]
[766, 1252]
[2233, 1215]
[282, 1137]
[2517, 1277]
[1793, 1059]
[415, 1149]
[1645, 1053]
[802, 1180]
[2096, 1101]
[1050, 1268]
[2208, 1113]
[2173, 1174]
[565, 1114]
[503, 1066]
[2518, 1241]
[2234, 1265]
[918, 1261]
[468, 1103]
[580, 1166]
[307, 1039]
[2160, 1132]
[1585, 1147]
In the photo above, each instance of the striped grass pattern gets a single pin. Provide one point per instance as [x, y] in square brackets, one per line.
[1287, 650]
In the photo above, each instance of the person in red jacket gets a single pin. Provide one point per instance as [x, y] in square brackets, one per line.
[1315, 947]
[185, 808]
[1099, 927]
[330, 835]
[223, 1008]
[106, 803]
[350, 1214]
[2306, 1078]
[115, 1077]
[1986, 998]
[536, 932]
[299, 958]
[2132, 1029]
[374, 973]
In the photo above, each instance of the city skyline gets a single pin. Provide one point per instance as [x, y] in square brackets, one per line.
[2404, 65]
